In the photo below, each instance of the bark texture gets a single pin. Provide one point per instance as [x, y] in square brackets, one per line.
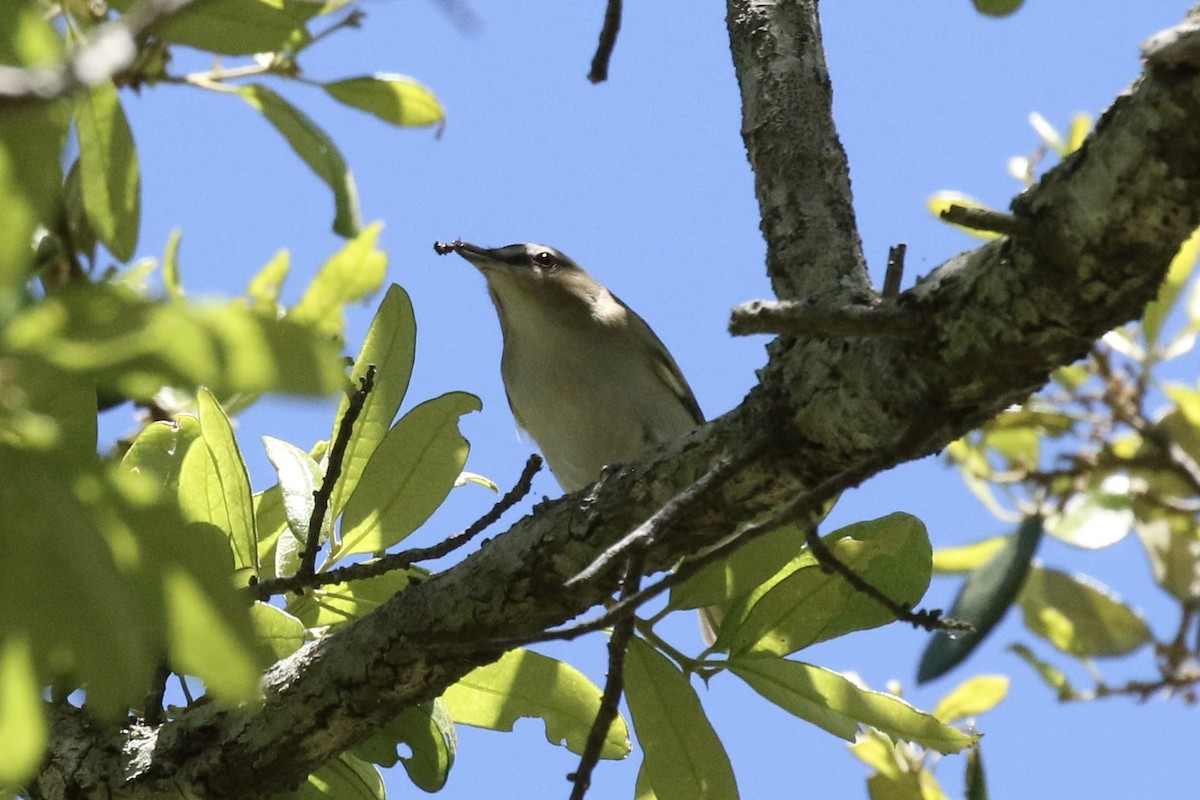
[1091, 244]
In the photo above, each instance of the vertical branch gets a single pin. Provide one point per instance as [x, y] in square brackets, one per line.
[801, 176]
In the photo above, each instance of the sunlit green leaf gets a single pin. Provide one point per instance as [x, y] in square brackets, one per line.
[429, 735]
[408, 475]
[280, 632]
[300, 476]
[214, 486]
[265, 286]
[317, 150]
[338, 603]
[170, 267]
[48, 409]
[31, 140]
[964, 558]
[1080, 616]
[236, 27]
[397, 99]
[749, 567]
[159, 448]
[971, 698]
[1182, 266]
[919, 785]
[346, 777]
[110, 336]
[354, 272]
[982, 601]
[833, 702]
[527, 684]
[390, 346]
[1100, 517]
[803, 604]
[108, 169]
[684, 759]
[23, 729]
[1052, 676]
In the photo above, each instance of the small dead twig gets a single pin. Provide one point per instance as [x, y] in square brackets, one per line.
[895, 271]
[608, 40]
[333, 471]
[405, 558]
[614, 685]
[884, 321]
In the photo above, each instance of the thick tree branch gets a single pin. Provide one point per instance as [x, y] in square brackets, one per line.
[1094, 240]
[801, 176]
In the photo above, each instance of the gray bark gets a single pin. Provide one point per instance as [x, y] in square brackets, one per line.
[1091, 243]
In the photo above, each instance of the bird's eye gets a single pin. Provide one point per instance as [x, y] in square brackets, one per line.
[545, 260]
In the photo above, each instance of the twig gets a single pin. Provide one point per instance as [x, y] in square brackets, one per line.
[106, 51]
[406, 558]
[981, 219]
[614, 685]
[608, 40]
[895, 271]
[884, 321]
[333, 471]
[671, 512]
[152, 714]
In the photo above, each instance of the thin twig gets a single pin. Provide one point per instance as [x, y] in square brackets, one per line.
[671, 512]
[980, 219]
[884, 321]
[608, 40]
[406, 558]
[614, 685]
[333, 471]
[895, 270]
[152, 714]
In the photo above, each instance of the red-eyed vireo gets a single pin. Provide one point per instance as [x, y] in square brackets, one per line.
[584, 374]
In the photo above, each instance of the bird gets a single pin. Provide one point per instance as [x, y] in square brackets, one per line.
[586, 377]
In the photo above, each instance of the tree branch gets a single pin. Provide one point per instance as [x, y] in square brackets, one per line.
[1094, 241]
[883, 321]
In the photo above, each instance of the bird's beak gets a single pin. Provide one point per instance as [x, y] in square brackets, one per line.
[480, 257]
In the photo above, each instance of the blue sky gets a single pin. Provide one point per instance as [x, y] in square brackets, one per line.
[644, 181]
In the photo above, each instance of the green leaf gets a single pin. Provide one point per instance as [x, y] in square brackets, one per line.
[1182, 266]
[803, 604]
[1050, 675]
[964, 558]
[642, 790]
[31, 141]
[47, 409]
[1171, 547]
[337, 603]
[159, 449]
[263, 291]
[684, 759]
[237, 27]
[108, 335]
[833, 702]
[300, 476]
[1100, 517]
[971, 698]
[278, 631]
[1079, 616]
[354, 272]
[170, 267]
[317, 150]
[346, 777]
[23, 729]
[396, 99]
[749, 567]
[214, 486]
[408, 475]
[108, 170]
[983, 601]
[390, 346]
[429, 733]
[976, 780]
[527, 684]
